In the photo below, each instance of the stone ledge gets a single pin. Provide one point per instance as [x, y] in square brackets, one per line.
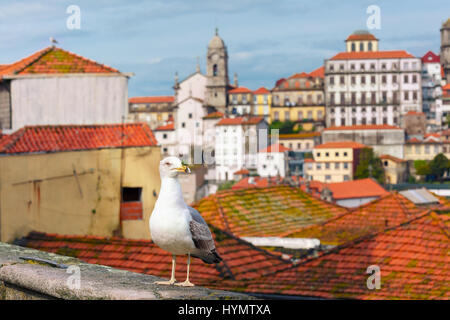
[20, 279]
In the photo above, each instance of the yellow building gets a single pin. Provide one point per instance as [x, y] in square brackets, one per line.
[299, 98]
[154, 110]
[262, 101]
[304, 141]
[99, 180]
[395, 169]
[334, 161]
[426, 149]
[240, 101]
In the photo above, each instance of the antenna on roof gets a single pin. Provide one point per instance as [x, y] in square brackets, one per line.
[53, 41]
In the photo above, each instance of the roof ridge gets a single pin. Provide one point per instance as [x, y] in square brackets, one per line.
[39, 55]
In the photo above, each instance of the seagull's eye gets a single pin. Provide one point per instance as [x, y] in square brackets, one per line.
[167, 163]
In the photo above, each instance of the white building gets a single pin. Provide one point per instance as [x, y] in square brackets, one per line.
[54, 86]
[370, 86]
[432, 90]
[272, 161]
[238, 141]
[189, 112]
[166, 137]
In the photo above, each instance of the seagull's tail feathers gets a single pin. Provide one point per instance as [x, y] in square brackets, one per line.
[208, 257]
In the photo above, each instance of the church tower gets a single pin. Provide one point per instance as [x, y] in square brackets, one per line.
[445, 49]
[217, 74]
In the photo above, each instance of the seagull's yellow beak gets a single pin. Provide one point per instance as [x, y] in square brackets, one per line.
[183, 169]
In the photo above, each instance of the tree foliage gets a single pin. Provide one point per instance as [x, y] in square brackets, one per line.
[370, 166]
[433, 170]
[285, 127]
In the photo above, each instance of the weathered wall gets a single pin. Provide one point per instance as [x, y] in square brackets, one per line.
[68, 100]
[41, 192]
[5, 106]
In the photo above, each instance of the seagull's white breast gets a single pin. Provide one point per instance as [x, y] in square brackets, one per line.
[169, 229]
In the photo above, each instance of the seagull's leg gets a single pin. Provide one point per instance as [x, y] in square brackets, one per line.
[172, 278]
[186, 283]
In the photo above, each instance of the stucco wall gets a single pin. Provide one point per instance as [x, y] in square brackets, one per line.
[68, 100]
[40, 192]
[5, 106]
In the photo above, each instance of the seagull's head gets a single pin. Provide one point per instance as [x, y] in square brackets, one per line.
[171, 167]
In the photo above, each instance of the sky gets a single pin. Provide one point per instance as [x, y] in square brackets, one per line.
[266, 40]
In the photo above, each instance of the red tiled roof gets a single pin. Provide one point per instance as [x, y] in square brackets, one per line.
[372, 55]
[230, 121]
[167, 127]
[153, 99]
[367, 36]
[361, 188]
[261, 90]
[363, 127]
[389, 157]
[242, 171]
[413, 259]
[264, 212]
[240, 90]
[239, 121]
[341, 144]
[414, 113]
[318, 73]
[275, 148]
[54, 60]
[431, 57]
[299, 75]
[241, 260]
[59, 138]
[302, 135]
[214, 115]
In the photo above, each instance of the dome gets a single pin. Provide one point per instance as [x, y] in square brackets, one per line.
[446, 23]
[216, 41]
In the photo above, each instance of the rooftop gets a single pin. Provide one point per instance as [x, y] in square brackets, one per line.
[431, 57]
[412, 257]
[261, 90]
[361, 35]
[167, 127]
[53, 60]
[361, 188]
[152, 99]
[58, 138]
[372, 55]
[341, 144]
[363, 127]
[240, 90]
[214, 115]
[261, 212]
[275, 148]
[239, 121]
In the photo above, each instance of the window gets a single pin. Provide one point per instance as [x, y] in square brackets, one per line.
[394, 79]
[370, 46]
[327, 154]
[405, 78]
[327, 177]
[427, 149]
[361, 46]
[131, 205]
[372, 79]
[353, 47]
[183, 125]
[362, 66]
[383, 79]
[414, 79]
[318, 154]
[353, 80]
[215, 70]
[276, 115]
[318, 166]
[286, 116]
[299, 145]
[300, 115]
[372, 66]
[342, 80]
[165, 136]
[327, 165]
[337, 165]
[352, 66]
[345, 165]
[346, 178]
[363, 80]
[345, 154]
[190, 115]
[331, 81]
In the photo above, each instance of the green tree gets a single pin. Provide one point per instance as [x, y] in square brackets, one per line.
[285, 127]
[422, 168]
[439, 166]
[369, 166]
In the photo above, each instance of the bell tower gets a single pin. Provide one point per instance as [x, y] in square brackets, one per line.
[217, 74]
[445, 49]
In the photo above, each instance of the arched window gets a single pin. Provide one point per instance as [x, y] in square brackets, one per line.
[215, 70]
[361, 46]
[353, 47]
[370, 46]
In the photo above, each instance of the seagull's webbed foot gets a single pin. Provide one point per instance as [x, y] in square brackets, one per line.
[186, 283]
[166, 283]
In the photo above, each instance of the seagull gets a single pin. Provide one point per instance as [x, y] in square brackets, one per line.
[177, 228]
[53, 41]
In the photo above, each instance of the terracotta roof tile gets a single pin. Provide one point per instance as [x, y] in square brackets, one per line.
[152, 99]
[356, 189]
[431, 57]
[58, 138]
[341, 144]
[261, 90]
[268, 211]
[214, 115]
[54, 60]
[387, 211]
[240, 90]
[372, 55]
[275, 148]
[389, 157]
[413, 258]
[167, 127]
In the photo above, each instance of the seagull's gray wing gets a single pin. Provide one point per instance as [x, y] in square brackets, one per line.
[203, 240]
[201, 235]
